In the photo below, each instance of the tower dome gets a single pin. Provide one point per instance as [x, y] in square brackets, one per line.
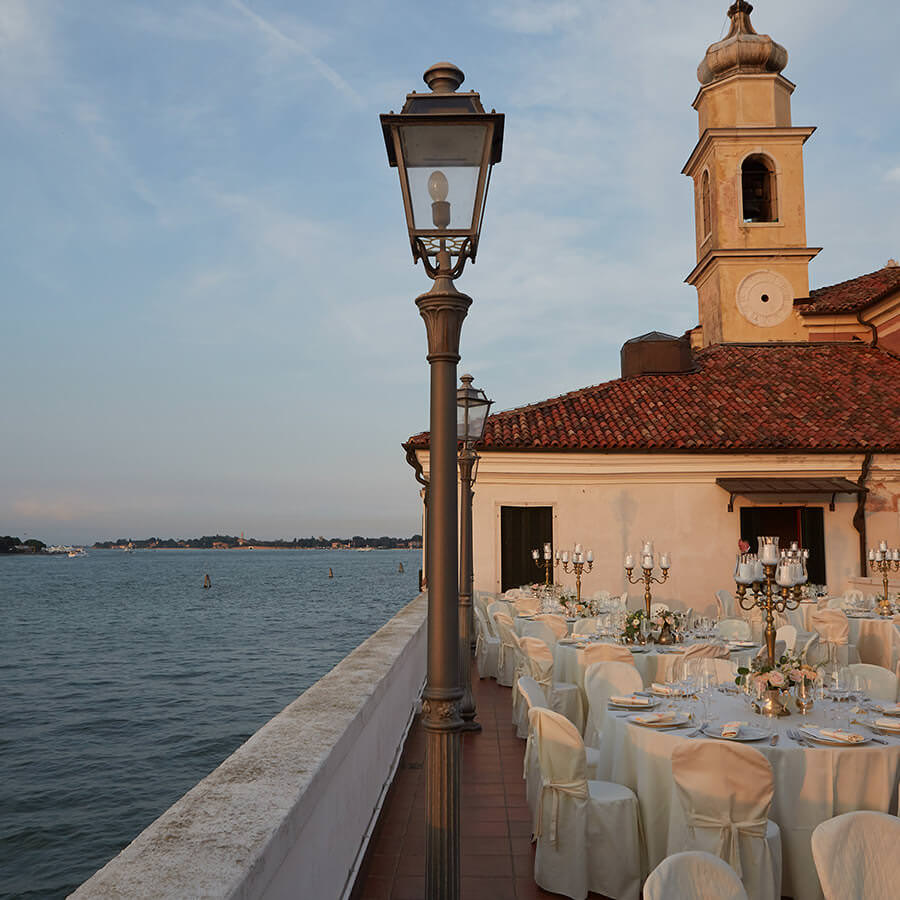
[742, 49]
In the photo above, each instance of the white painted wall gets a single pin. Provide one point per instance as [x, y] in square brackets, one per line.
[284, 816]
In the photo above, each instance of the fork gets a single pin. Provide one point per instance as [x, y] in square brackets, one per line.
[794, 735]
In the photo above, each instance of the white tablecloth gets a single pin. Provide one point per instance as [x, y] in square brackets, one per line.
[654, 664]
[874, 639]
[811, 785]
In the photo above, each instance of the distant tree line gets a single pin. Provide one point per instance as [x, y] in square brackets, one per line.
[10, 544]
[227, 541]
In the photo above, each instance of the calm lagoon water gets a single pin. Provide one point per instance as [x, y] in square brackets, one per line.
[123, 682]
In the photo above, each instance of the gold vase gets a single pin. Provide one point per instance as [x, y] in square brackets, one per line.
[665, 635]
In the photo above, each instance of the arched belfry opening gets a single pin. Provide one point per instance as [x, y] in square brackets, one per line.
[705, 204]
[759, 189]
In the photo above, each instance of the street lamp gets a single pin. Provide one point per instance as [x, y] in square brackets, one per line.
[472, 407]
[443, 145]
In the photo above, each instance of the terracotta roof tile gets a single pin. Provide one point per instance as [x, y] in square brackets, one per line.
[741, 397]
[853, 295]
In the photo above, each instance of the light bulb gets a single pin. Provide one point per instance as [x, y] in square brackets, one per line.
[438, 186]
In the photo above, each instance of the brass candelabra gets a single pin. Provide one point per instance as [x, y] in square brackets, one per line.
[647, 576]
[545, 562]
[884, 561]
[580, 562]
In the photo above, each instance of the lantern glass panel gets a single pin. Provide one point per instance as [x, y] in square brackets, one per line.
[471, 414]
[455, 151]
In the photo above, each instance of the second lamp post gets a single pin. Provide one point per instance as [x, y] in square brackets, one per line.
[472, 407]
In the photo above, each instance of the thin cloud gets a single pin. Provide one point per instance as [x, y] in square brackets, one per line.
[278, 37]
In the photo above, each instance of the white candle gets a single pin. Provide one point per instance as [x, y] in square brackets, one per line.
[576, 557]
[590, 556]
[629, 561]
[769, 555]
[647, 549]
[745, 573]
[534, 554]
[557, 554]
[647, 561]
[882, 545]
[578, 548]
[879, 556]
[759, 574]
[896, 554]
[664, 561]
[871, 556]
[546, 552]
[565, 556]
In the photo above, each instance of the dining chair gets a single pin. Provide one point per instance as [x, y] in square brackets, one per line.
[487, 647]
[833, 628]
[556, 623]
[707, 650]
[880, 683]
[725, 605]
[856, 856]
[734, 629]
[499, 606]
[508, 650]
[585, 626]
[720, 670]
[693, 875]
[787, 634]
[602, 680]
[540, 630]
[562, 697]
[595, 653]
[527, 606]
[725, 793]
[587, 832]
[780, 649]
[532, 698]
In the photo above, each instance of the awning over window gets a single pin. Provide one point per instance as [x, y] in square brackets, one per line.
[749, 486]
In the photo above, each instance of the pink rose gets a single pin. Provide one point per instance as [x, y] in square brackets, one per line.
[760, 682]
[776, 679]
[796, 675]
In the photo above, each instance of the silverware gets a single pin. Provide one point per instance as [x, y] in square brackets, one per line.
[794, 735]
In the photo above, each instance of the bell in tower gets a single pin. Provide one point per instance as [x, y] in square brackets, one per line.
[747, 168]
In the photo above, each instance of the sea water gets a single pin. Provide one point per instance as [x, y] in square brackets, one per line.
[123, 682]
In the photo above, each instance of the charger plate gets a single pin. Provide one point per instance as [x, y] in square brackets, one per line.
[676, 721]
[813, 734]
[746, 733]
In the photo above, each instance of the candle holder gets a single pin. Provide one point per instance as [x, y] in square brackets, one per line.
[771, 582]
[884, 561]
[580, 562]
[545, 563]
[648, 578]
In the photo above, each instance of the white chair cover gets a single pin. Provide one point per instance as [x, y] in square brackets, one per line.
[602, 596]
[607, 653]
[501, 607]
[537, 661]
[487, 647]
[833, 628]
[725, 605]
[734, 630]
[535, 629]
[780, 648]
[693, 875]
[725, 793]
[722, 670]
[585, 626]
[602, 680]
[508, 652]
[532, 698]
[881, 683]
[787, 635]
[527, 606]
[706, 650]
[557, 624]
[619, 603]
[513, 594]
[587, 833]
[856, 856]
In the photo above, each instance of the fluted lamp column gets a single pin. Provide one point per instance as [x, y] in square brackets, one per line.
[472, 408]
[443, 145]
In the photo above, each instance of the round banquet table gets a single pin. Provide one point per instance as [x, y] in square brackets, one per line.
[874, 636]
[654, 664]
[812, 784]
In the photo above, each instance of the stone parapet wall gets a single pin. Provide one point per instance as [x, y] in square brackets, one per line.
[287, 814]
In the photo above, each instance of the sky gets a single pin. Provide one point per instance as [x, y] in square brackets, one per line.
[207, 319]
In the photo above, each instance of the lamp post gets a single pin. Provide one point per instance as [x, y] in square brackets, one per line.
[472, 408]
[443, 145]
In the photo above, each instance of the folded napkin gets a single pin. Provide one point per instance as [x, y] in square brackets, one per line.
[732, 729]
[838, 734]
[631, 701]
[665, 689]
[890, 709]
[888, 724]
[655, 718]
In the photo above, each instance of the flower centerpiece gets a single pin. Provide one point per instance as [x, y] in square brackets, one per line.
[772, 683]
[666, 621]
[632, 631]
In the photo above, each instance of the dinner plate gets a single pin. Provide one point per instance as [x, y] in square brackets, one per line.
[813, 734]
[885, 711]
[650, 705]
[639, 649]
[745, 645]
[747, 733]
[527, 615]
[669, 649]
[676, 720]
[882, 729]
[672, 695]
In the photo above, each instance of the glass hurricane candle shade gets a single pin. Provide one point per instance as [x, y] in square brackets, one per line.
[768, 550]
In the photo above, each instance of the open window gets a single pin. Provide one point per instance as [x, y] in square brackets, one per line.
[758, 189]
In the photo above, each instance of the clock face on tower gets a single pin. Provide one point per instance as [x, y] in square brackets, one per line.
[765, 298]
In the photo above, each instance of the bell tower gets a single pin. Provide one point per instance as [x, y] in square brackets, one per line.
[747, 168]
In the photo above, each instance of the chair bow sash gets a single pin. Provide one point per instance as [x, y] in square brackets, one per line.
[576, 789]
[729, 835]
